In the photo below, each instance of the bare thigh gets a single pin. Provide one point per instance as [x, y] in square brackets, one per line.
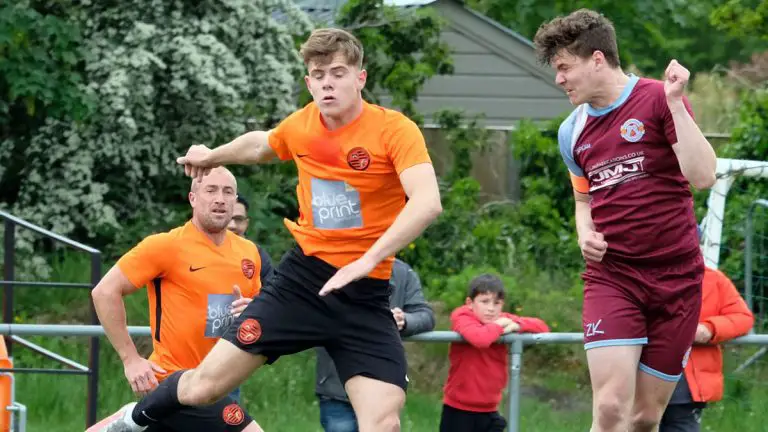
[613, 374]
[377, 404]
[225, 368]
[652, 395]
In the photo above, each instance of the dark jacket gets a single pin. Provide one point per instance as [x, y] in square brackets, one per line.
[419, 318]
[266, 265]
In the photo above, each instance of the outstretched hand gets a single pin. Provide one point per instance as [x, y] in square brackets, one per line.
[351, 272]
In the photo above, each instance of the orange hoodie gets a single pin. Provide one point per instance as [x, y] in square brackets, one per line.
[727, 316]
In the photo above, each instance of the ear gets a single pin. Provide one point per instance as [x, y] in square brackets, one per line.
[306, 81]
[191, 197]
[362, 78]
[598, 58]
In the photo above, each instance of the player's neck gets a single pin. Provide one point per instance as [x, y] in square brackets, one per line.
[611, 90]
[216, 238]
[345, 118]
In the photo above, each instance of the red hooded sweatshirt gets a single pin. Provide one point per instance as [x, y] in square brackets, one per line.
[479, 368]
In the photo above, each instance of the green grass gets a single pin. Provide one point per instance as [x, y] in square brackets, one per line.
[556, 395]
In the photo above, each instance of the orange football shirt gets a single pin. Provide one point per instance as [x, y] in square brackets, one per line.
[189, 283]
[349, 189]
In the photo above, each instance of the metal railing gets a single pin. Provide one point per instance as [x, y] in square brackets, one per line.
[17, 409]
[9, 283]
[517, 343]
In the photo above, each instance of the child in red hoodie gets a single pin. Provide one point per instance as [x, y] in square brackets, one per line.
[479, 368]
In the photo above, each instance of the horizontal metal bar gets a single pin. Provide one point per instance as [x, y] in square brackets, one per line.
[433, 336]
[50, 354]
[50, 234]
[45, 371]
[64, 330]
[17, 284]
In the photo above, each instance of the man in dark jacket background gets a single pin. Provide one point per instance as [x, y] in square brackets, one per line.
[412, 314]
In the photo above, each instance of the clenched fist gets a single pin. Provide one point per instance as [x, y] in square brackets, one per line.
[593, 246]
[675, 79]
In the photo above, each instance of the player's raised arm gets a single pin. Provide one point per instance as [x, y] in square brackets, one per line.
[249, 148]
[695, 154]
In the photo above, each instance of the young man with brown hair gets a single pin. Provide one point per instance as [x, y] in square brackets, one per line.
[632, 148]
[357, 163]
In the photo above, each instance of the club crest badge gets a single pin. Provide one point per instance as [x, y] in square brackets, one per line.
[633, 130]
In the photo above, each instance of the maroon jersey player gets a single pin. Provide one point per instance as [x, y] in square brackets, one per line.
[632, 148]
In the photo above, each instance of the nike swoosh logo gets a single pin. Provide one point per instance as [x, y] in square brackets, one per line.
[192, 269]
[148, 417]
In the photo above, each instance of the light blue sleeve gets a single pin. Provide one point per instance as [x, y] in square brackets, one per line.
[564, 138]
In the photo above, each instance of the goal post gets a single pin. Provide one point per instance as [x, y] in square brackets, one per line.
[712, 224]
[735, 230]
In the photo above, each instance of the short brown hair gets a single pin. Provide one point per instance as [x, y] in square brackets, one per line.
[324, 43]
[486, 283]
[581, 33]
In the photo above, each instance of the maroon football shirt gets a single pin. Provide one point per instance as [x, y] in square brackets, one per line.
[640, 200]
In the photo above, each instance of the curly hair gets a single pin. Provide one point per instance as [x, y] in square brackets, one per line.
[581, 33]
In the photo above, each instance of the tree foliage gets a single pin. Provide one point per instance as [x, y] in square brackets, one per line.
[742, 18]
[40, 77]
[650, 33]
[164, 75]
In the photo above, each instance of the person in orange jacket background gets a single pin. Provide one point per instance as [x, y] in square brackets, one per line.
[724, 316]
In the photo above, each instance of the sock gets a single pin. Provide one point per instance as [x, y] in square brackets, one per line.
[162, 402]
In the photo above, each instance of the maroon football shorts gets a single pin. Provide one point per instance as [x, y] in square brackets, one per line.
[657, 307]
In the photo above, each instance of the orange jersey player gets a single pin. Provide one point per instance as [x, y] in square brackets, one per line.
[199, 277]
[357, 164]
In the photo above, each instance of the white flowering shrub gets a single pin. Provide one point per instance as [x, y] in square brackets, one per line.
[163, 75]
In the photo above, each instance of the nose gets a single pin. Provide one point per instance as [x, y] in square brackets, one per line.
[327, 84]
[560, 79]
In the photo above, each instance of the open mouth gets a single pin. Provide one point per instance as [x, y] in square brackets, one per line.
[219, 211]
[329, 99]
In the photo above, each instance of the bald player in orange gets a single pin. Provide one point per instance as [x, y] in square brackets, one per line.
[357, 164]
[199, 277]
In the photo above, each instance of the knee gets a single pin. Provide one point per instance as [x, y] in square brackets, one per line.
[610, 413]
[645, 421]
[385, 423]
[197, 390]
[390, 423]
